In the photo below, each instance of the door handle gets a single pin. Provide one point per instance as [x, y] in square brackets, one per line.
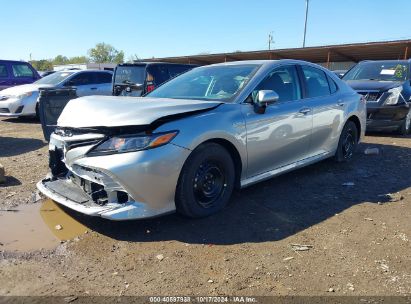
[93, 88]
[340, 103]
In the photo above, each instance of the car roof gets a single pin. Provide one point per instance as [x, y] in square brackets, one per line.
[266, 63]
[12, 61]
[154, 63]
[403, 61]
[82, 71]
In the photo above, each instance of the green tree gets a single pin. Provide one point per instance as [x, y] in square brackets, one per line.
[60, 59]
[78, 59]
[105, 53]
[42, 65]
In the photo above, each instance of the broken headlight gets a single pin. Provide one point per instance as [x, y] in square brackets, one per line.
[131, 143]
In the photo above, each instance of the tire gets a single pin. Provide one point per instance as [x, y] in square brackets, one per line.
[404, 129]
[37, 111]
[206, 181]
[347, 143]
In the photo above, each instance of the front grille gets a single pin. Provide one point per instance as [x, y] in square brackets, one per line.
[4, 110]
[371, 96]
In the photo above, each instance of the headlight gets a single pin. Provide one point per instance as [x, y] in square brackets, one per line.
[28, 94]
[394, 97]
[130, 143]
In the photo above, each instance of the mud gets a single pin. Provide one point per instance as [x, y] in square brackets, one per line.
[327, 229]
[38, 226]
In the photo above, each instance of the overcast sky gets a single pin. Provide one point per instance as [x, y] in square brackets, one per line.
[161, 28]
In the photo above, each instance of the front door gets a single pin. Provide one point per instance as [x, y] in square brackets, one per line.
[281, 135]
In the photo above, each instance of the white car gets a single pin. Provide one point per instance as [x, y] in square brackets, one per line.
[23, 100]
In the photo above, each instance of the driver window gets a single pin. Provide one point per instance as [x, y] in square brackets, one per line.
[284, 81]
[82, 79]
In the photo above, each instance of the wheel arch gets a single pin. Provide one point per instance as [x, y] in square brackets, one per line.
[357, 123]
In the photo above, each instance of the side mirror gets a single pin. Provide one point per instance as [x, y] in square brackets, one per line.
[263, 99]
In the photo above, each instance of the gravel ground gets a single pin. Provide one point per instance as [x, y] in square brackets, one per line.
[357, 235]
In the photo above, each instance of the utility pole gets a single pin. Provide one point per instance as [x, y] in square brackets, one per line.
[305, 24]
[270, 40]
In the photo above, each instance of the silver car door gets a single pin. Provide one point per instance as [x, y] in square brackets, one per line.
[327, 109]
[102, 83]
[281, 135]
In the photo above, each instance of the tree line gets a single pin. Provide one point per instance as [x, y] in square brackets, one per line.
[101, 53]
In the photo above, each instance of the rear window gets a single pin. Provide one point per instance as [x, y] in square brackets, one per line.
[3, 70]
[130, 75]
[22, 70]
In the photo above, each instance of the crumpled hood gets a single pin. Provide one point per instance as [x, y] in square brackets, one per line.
[112, 111]
[21, 89]
[372, 85]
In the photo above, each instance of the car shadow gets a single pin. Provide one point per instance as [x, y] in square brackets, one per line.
[28, 119]
[10, 182]
[11, 146]
[280, 207]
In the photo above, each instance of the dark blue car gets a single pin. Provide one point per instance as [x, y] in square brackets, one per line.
[13, 73]
[386, 86]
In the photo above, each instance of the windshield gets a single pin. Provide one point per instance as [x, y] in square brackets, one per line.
[130, 75]
[54, 78]
[377, 70]
[208, 83]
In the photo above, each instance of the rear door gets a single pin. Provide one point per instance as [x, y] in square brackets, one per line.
[103, 83]
[22, 73]
[328, 111]
[281, 135]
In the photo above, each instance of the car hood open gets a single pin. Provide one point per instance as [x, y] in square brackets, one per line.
[111, 111]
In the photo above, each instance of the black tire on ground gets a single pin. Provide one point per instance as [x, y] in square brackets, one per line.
[405, 126]
[347, 143]
[37, 111]
[206, 181]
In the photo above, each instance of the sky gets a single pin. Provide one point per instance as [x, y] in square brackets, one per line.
[164, 28]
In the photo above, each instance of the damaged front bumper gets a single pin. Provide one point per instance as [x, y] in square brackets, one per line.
[125, 186]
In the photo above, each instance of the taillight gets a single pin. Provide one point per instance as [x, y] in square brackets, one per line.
[149, 88]
[149, 83]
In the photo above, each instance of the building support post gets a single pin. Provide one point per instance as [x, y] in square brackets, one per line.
[406, 52]
[328, 59]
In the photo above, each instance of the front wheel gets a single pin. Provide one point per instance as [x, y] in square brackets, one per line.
[206, 181]
[348, 142]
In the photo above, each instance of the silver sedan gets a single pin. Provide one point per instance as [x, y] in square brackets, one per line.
[188, 144]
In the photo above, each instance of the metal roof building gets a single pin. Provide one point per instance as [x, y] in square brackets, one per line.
[334, 57]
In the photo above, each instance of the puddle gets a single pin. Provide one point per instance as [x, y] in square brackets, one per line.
[33, 227]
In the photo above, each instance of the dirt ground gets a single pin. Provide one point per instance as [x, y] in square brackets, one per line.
[358, 234]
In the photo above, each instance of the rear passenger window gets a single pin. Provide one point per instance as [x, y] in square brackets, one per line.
[333, 86]
[103, 78]
[284, 81]
[160, 74]
[3, 70]
[82, 79]
[316, 83]
[22, 70]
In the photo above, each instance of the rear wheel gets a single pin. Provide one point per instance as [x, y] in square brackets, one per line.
[406, 124]
[348, 142]
[206, 181]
